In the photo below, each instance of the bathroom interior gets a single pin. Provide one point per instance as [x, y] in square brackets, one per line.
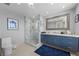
[39, 29]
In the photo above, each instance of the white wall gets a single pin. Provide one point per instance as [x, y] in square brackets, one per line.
[77, 24]
[16, 35]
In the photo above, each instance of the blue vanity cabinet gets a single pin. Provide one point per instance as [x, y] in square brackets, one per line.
[68, 42]
[52, 40]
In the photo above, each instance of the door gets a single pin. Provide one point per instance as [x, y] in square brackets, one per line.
[32, 33]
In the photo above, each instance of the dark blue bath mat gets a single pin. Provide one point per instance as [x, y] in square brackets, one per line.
[49, 51]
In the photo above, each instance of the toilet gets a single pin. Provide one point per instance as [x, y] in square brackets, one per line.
[7, 46]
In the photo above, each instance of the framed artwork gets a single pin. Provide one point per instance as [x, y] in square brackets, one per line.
[77, 18]
[12, 24]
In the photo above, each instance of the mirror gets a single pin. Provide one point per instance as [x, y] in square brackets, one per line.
[58, 22]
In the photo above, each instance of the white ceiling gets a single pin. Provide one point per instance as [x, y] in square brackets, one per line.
[43, 9]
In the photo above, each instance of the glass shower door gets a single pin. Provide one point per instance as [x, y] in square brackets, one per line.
[32, 31]
[35, 33]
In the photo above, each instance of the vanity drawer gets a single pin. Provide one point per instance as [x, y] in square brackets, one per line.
[47, 38]
[70, 42]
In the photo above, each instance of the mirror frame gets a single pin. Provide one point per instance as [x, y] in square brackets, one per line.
[68, 22]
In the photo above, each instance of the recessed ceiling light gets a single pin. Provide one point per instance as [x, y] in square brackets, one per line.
[33, 16]
[63, 6]
[46, 12]
[52, 3]
[18, 3]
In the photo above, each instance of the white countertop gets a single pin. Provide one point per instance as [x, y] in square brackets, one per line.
[62, 34]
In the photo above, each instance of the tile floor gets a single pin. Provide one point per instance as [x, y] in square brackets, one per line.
[26, 50]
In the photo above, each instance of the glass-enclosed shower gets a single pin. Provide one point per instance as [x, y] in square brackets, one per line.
[32, 31]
